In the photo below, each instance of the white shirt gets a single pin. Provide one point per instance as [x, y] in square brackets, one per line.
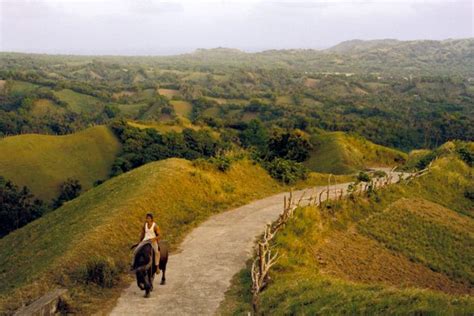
[149, 233]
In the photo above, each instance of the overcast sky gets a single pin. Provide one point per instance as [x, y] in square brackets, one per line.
[155, 27]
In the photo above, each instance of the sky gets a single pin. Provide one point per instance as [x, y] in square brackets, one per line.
[156, 27]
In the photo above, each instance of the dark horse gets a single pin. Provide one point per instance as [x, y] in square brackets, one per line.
[145, 268]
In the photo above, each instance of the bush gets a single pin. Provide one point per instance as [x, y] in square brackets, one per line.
[70, 189]
[380, 174]
[222, 163]
[287, 171]
[469, 193]
[363, 177]
[101, 271]
[467, 155]
[425, 161]
[18, 207]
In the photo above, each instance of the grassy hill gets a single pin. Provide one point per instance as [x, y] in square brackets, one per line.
[79, 102]
[43, 162]
[404, 250]
[340, 153]
[55, 249]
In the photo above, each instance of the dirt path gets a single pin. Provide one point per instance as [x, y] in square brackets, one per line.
[200, 273]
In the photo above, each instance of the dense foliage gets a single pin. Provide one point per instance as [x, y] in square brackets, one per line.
[68, 190]
[18, 207]
[141, 146]
[416, 94]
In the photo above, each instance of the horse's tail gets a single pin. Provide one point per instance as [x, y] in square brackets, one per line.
[164, 249]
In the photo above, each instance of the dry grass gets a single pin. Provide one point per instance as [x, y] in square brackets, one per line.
[396, 252]
[182, 108]
[340, 153]
[352, 256]
[42, 107]
[169, 93]
[43, 162]
[106, 220]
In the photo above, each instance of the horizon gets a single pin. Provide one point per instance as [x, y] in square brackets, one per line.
[185, 51]
[167, 28]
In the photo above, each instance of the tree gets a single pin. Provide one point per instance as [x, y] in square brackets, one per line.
[291, 145]
[254, 135]
[17, 207]
[69, 189]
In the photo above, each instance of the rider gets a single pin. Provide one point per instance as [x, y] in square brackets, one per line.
[151, 232]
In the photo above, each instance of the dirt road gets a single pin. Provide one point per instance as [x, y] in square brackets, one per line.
[200, 273]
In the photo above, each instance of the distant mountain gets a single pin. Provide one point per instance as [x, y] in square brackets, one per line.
[386, 56]
[358, 45]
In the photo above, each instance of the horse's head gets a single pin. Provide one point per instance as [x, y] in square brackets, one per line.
[141, 265]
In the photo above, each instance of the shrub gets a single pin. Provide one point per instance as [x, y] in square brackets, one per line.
[467, 155]
[69, 189]
[287, 171]
[101, 271]
[425, 161]
[363, 177]
[18, 207]
[380, 174]
[222, 163]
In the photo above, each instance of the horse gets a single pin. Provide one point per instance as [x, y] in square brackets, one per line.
[145, 268]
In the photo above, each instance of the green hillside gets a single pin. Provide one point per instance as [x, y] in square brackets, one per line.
[405, 250]
[78, 102]
[340, 153]
[106, 220]
[43, 162]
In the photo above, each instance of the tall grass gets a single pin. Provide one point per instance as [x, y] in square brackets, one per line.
[404, 219]
[43, 162]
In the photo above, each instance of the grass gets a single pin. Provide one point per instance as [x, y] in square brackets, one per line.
[340, 153]
[396, 252]
[169, 93]
[182, 108]
[78, 102]
[42, 107]
[428, 233]
[164, 127]
[43, 162]
[22, 86]
[131, 110]
[106, 220]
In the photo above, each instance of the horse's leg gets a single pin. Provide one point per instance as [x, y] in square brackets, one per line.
[163, 278]
[152, 278]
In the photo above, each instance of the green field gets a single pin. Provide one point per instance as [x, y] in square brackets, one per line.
[78, 102]
[21, 86]
[397, 252]
[130, 110]
[340, 153]
[43, 162]
[106, 219]
[42, 107]
[182, 108]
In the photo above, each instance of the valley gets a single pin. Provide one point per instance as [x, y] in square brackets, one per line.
[210, 142]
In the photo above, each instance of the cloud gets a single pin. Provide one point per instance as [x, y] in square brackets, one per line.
[170, 26]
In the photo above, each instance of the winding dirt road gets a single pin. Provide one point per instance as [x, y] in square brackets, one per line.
[200, 272]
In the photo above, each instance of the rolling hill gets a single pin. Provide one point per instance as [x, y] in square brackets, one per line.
[43, 162]
[404, 250]
[106, 220]
[341, 153]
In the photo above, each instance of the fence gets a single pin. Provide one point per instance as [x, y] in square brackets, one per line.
[265, 258]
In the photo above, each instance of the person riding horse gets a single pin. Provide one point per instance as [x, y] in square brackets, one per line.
[151, 233]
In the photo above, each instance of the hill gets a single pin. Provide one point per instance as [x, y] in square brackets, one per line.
[341, 153]
[43, 162]
[406, 249]
[106, 220]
